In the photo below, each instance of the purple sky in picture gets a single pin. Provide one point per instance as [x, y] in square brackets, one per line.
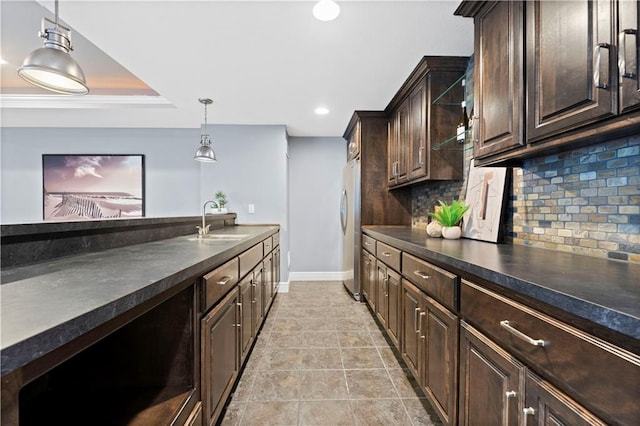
[84, 173]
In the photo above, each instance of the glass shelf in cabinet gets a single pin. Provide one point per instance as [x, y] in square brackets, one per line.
[452, 144]
[439, 99]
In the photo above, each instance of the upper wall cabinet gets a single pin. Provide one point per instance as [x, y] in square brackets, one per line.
[423, 114]
[580, 62]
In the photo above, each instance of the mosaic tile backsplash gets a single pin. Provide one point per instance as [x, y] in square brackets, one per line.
[585, 201]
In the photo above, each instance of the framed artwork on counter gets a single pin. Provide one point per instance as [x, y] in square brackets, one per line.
[92, 187]
[485, 196]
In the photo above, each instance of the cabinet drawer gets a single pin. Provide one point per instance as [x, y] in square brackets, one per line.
[250, 258]
[267, 245]
[368, 243]
[602, 377]
[219, 281]
[437, 283]
[276, 239]
[388, 254]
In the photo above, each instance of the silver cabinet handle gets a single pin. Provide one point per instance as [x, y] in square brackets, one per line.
[622, 52]
[422, 275]
[597, 52]
[416, 320]
[240, 308]
[420, 155]
[519, 334]
[529, 411]
[367, 243]
[510, 394]
[225, 280]
[386, 254]
[420, 325]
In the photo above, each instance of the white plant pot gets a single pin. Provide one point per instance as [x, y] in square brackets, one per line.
[451, 232]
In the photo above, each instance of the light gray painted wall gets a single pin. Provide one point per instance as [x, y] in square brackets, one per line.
[251, 169]
[172, 178]
[315, 185]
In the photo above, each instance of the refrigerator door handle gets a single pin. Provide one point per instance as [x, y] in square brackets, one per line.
[344, 206]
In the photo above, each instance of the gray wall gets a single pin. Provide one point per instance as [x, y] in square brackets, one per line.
[315, 184]
[251, 168]
[172, 178]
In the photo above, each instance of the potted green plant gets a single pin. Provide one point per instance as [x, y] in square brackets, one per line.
[221, 198]
[449, 216]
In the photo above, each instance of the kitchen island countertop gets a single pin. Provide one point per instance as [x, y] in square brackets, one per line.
[47, 304]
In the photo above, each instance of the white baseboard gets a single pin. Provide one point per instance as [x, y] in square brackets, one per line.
[316, 276]
[283, 287]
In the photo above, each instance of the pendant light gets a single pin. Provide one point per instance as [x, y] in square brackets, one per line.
[52, 67]
[205, 152]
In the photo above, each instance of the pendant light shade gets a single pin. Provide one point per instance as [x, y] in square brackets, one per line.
[52, 67]
[205, 153]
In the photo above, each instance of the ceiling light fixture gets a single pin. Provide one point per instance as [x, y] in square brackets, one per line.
[321, 111]
[51, 67]
[205, 152]
[326, 10]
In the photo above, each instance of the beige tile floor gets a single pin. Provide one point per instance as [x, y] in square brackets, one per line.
[321, 359]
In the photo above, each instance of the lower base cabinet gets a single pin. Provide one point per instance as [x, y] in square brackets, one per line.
[247, 334]
[220, 354]
[430, 349]
[195, 418]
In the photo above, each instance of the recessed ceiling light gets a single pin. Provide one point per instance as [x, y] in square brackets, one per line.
[321, 111]
[326, 10]
[3, 62]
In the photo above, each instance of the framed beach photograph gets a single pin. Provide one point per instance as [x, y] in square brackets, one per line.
[485, 196]
[92, 187]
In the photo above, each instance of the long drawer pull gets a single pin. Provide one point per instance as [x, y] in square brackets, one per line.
[421, 315]
[519, 334]
[416, 320]
[510, 394]
[367, 243]
[422, 275]
[225, 280]
[529, 411]
[386, 254]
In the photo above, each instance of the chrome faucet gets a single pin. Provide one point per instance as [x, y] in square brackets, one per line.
[204, 230]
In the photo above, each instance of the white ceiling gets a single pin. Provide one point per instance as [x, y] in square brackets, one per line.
[262, 62]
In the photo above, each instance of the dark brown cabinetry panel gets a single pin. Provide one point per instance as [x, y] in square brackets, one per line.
[267, 282]
[257, 302]
[598, 375]
[246, 314]
[417, 122]
[545, 405]
[628, 51]
[219, 357]
[393, 300]
[491, 382]
[410, 341]
[382, 304]
[499, 78]
[571, 80]
[368, 278]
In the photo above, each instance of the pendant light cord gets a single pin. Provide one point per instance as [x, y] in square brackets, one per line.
[56, 9]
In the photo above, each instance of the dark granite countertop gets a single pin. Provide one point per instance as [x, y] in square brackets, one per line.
[47, 304]
[602, 291]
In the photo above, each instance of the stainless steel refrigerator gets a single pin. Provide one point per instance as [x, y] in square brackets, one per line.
[350, 221]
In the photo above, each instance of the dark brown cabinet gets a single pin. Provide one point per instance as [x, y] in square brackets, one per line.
[430, 349]
[246, 314]
[422, 115]
[571, 80]
[382, 293]
[498, 123]
[267, 282]
[220, 354]
[257, 302]
[368, 278]
[491, 382]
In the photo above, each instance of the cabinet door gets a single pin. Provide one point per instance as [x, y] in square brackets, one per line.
[220, 360]
[267, 282]
[392, 149]
[411, 297]
[404, 143]
[372, 297]
[628, 50]
[365, 275]
[246, 328]
[257, 310]
[491, 382]
[545, 405]
[353, 147]
[276, 271]
[393, 308]
[417, 132]
[571, 79]
[499, 78]
[440, 329]
[382, 306]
